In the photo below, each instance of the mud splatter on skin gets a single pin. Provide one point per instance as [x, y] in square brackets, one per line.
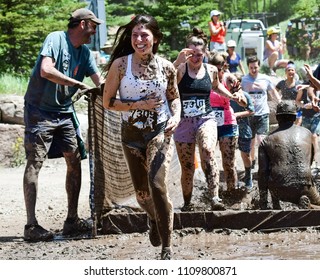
[206, 137]
[149, 168]
[186, 153]
[284, 165]
[228, 148]
[207, 140]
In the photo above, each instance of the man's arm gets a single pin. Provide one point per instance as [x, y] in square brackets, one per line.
[49, 72]
[96, 79]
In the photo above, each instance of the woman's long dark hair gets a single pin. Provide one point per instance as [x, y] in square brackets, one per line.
[123, 47]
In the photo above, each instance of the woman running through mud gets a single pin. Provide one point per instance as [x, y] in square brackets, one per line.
[198, 123]
[228, 132]
[149, 102]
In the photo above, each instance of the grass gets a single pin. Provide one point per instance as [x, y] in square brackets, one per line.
[10, 84]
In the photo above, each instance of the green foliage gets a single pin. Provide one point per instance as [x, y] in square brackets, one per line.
[18, 155]
[307, 8]
[171, 13]
[10, 84]
[25, 25]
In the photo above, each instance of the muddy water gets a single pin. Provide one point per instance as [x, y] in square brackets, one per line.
[278, 246]
[254, 246]
[209, 246]
[188, 244]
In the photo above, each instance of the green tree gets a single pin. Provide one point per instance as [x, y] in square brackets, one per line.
[24, 25]
[176, 18]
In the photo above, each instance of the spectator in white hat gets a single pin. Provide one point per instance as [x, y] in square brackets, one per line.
[234, 59]
[217, 32]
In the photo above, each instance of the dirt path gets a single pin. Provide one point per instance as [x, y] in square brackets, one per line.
[188, 244]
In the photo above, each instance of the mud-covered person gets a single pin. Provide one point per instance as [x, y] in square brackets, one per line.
[285, 158]
[198, 123]
[50, 122]
[150, 108]
[228, 130]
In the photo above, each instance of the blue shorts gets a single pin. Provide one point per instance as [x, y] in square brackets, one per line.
[228, 131]
[313, 124]
[244, 145]
[259, 125]
[48, 133]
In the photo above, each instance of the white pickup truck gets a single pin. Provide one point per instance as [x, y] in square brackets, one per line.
[249, 35]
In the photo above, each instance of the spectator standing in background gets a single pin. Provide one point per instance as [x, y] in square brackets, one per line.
[217, 32]
[290, 40]
[234, 59]
[305, 40]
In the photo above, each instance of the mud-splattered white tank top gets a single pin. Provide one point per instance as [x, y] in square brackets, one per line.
[133, 88]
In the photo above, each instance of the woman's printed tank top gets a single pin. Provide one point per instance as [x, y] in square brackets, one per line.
[134, 89]
[194, 94]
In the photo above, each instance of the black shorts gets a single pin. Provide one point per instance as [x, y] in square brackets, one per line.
[48, 132]
[139, 138]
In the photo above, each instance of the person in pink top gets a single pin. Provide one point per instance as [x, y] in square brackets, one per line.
[228, 132]
[217, 32]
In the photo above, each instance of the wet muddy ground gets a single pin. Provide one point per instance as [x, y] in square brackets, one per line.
[188, 244]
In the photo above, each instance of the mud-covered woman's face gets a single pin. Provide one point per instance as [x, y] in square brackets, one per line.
[197, 56]
[142, 39]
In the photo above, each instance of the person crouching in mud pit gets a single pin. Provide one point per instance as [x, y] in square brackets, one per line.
[285, 158]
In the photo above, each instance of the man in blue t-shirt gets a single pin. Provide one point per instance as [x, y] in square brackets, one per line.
[63, 62]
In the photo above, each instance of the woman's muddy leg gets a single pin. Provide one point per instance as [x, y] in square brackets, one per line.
[137, 165]
[207, 140]
[186, 156]
[160, 151]
[228, 149]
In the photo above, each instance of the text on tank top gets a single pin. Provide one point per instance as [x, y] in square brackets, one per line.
[194, 94]
[135, 89]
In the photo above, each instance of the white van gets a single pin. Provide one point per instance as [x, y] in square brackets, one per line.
[249, 35]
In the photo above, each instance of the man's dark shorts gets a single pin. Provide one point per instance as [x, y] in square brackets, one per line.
[244, 144]
[259, 125]
[45, 130]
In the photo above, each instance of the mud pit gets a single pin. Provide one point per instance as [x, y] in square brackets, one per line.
[188, 243]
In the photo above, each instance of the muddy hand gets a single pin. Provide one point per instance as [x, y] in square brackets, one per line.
[184, 55]
[152, 102]
[172, 125]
